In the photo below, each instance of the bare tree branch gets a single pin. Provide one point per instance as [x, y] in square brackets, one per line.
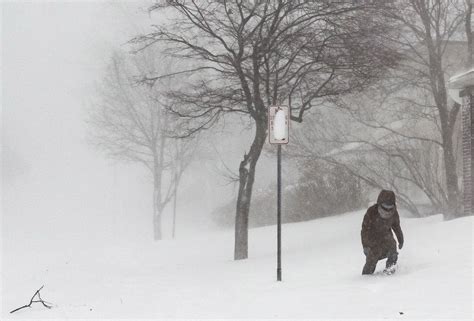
[32, 300]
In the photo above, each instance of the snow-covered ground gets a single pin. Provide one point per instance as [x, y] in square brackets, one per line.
[197, 278]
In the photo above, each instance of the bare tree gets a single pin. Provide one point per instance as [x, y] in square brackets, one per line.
[428, 26]
[248, 55]
[408, 117]
[129, 123]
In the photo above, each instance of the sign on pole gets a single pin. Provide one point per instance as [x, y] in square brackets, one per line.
[278, 131]
[278, 124]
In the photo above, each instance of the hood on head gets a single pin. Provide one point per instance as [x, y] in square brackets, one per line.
[386, 197]
[386, 203]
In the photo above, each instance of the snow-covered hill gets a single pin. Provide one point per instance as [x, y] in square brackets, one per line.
[197, 278]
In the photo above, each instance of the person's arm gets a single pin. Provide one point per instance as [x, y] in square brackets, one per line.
[398, 230]
[365, 232]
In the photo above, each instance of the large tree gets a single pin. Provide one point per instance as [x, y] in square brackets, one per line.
[247, 55]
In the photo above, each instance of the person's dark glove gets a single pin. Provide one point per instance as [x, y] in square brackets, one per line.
[366, 251]
[400, 245]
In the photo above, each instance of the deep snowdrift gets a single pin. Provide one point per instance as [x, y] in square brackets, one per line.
[196, 277]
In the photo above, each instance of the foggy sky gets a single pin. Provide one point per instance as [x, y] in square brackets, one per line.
[55, 185]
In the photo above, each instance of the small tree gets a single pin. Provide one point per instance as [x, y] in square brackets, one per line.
[129, 123]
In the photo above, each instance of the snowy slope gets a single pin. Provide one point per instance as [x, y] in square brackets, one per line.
[196, 277]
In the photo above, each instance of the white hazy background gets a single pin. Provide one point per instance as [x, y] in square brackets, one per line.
[56, 187]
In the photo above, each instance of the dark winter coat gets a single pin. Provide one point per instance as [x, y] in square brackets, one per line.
[376, 233]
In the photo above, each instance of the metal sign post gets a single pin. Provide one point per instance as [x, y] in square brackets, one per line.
[279, 125]
[279, 213]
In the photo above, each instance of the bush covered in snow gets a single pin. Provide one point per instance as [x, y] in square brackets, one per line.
[322, 190]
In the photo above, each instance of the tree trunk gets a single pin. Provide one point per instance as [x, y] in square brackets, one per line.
[158, 158]
[246, 180]
[447, 121]
[175, 197]
[156, 213]
[469, 36]
[452, 208]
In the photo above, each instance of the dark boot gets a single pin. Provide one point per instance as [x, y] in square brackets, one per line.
[391, 259]
[392, 254]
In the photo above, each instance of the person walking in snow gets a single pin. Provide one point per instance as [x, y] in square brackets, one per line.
[376, 234]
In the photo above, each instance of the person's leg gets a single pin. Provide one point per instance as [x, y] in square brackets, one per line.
[370, 263]
[392, 254]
